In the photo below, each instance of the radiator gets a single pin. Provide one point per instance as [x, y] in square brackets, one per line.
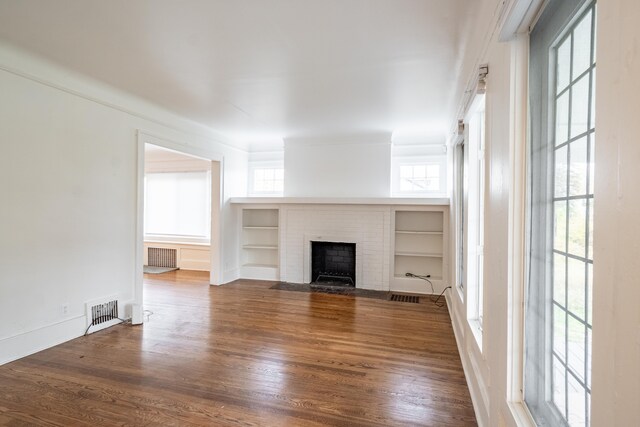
[162, 257]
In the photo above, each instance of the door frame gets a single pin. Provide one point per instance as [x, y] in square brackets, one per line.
[217, 196]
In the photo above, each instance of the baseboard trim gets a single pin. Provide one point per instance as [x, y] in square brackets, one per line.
[476, 400]
[27, 343]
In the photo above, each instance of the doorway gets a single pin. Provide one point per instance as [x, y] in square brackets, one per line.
[179, 209]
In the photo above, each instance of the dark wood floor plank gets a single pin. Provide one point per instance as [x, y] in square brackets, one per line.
[244, 354]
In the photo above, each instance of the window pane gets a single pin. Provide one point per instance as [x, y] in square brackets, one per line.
[575, 347]
[559, 279]
[590, 247]
[560, 225]
[582, 46]
[579, 106]
[577, 227]
[559, 326]
[576, 287]
[560, 172]
[577, 400]
[578, 173]
[559, 386]
[589, 292]
[592, 107]
[588, 358]
[564, 64]
[562, 119]
[592, 139]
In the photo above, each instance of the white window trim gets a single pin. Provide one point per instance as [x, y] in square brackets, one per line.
[474, 240]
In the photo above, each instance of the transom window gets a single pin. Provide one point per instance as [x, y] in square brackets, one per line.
[419, 178]
[268, 180]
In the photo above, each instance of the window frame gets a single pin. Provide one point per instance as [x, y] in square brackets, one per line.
[256, 165]
[475, 140]
[539, 391]
[426, 160]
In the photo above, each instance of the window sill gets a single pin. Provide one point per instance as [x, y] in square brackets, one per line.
[177, 240]
[520, 414]
[476, 331]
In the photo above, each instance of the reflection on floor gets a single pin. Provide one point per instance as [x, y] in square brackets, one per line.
[245, 354]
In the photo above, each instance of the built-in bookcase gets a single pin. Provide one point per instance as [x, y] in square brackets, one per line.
[260, 236]
[418, 249]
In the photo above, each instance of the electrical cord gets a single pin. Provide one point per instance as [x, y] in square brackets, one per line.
[426, 278]
[86, 332]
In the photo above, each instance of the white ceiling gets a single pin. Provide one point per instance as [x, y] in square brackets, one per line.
[262, 70]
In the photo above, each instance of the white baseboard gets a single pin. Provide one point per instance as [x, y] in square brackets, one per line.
[24, 344]
[231, 275]
[469, 374]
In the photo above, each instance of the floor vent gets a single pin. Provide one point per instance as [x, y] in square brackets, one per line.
[162, 257]
[405, 298]
[102, 313]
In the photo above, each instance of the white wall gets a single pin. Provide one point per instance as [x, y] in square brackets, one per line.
[338, 167]
[68, 182]
[616, 294]
[486, 364]
[494, 374]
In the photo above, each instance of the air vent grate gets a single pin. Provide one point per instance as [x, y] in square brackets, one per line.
[405, 298]
[102, 313]
[105, 312]
[162, 257]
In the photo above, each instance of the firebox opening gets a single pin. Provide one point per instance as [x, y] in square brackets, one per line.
[333, 263]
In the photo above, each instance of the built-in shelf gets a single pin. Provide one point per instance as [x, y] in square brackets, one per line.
[418, 254]
[402, 276]
[260, 265]
[260, 247]
[418, 247]
[259, 228]
[434, 233]
[260, 243]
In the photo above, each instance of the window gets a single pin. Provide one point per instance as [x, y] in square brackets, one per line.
[475, 214]
[460, 212]
[266, 179]
[558, 367]
[419, 176]
[178, 206]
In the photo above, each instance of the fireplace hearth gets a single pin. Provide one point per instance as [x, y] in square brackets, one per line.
[333, 263]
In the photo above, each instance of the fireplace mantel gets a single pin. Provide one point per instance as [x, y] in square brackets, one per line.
[341, 201]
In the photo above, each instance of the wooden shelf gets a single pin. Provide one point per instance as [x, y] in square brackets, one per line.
[419, 254]
[259, 228]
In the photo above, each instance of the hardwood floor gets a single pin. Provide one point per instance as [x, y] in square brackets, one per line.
[243, 354]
